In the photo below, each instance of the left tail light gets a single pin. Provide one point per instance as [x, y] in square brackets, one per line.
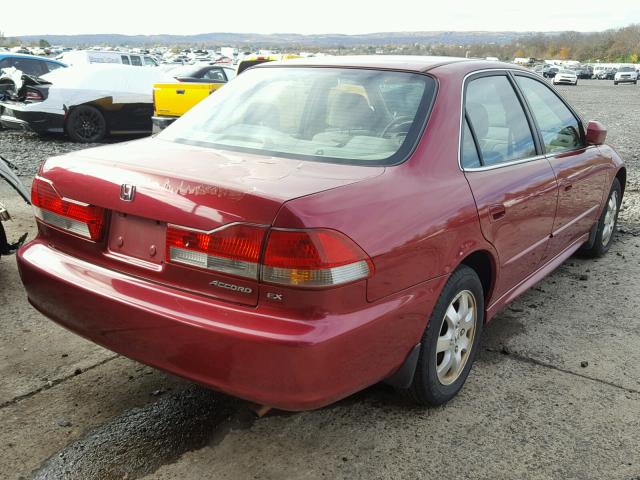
[75, 217]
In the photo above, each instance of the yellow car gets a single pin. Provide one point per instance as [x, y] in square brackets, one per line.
[172, 100]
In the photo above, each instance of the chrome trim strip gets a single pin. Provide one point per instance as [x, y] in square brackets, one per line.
[557, 232]
[66, 199]
[505, 164]
[222, 227]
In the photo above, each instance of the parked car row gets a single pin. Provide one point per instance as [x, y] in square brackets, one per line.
[623, 74]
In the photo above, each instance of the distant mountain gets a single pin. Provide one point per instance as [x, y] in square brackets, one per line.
[284, 39]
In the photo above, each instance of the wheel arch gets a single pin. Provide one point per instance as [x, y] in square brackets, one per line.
[484, 264]
[621, 175]
[93, 103]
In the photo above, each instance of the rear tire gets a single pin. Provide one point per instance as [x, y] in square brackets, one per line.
[450, 342]
[606, 226]
[615, 83]
[86, 124]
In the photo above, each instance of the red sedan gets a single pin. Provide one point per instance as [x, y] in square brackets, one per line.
[321, 225]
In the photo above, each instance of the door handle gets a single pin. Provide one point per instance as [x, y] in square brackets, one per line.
[497, 212]
[180, 92]
[566, 185]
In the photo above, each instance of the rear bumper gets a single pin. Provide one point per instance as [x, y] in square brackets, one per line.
[19, 117]
[292, 364]
[160, 123]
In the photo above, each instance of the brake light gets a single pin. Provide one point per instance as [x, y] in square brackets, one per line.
[234, 249]
[313, 258]
[69, 215]
[33, 96]
[300, 258]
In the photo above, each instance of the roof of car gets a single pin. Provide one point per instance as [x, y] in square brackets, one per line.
[412, 63]
[24, 55]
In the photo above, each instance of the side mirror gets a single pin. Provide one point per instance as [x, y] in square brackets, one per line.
[596, 133]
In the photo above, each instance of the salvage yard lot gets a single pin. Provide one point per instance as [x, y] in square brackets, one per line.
[555, 392]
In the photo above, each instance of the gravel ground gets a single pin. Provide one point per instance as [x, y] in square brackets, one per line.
[555, 392]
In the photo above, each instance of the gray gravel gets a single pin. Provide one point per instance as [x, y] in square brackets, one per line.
[27, 150]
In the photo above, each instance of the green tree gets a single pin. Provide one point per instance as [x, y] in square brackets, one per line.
[43, 43]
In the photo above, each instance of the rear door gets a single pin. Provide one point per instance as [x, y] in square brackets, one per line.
[579, 169]
[512, 182]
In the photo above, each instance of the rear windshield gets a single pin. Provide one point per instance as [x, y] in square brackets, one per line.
[338, 115]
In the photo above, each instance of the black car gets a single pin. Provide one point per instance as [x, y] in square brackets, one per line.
[608, 74]
[203, 73]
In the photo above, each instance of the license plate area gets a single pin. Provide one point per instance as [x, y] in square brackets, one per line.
[137, 237]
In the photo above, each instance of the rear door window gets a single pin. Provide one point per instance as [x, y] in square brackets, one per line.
[125, 60]
[560, 129]
[135, 60]
[498, 120]
[30, 66]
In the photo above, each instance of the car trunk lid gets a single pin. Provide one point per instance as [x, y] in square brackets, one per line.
[148, 184]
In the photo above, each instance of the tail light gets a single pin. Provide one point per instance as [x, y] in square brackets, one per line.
[234, 249]
[313, 258]
[33, 96]
[300, 258]
[69, 215]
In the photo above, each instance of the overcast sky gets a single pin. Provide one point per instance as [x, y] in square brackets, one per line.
[299, 16]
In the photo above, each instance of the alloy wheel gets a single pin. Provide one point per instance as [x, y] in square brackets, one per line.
[610, 218]
[457, 333]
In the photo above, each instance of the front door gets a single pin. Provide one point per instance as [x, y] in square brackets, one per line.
[513, 185]
[579, 169]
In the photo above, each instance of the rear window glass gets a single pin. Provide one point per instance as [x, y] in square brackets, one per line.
[334, 115]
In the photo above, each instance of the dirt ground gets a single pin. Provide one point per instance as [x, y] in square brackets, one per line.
[555, 392]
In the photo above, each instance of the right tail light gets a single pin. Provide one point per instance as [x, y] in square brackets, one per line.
[313, 258]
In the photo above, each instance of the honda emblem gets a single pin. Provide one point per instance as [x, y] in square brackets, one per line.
[127, 192]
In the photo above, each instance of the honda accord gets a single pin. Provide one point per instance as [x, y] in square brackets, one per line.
[324, 224]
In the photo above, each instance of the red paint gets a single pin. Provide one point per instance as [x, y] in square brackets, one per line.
[284, 346]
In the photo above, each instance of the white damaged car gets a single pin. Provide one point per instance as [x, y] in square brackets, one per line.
[86, 102]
